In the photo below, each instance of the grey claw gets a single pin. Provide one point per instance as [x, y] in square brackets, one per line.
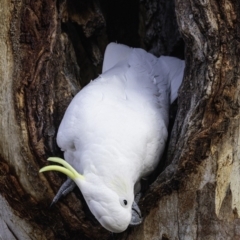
[66, 188]
[137, 197]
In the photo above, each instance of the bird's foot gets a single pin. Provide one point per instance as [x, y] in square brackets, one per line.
[66, 188]
[137, 197]
[136, 212]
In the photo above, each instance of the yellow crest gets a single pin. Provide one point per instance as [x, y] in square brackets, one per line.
[67, 169]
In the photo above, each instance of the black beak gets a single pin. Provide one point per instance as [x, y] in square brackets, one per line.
[136, 215]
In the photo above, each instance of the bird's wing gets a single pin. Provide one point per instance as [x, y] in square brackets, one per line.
[167, 68]
[114, 54]
[174, 68]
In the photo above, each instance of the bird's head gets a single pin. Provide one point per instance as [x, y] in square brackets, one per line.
[111, 203]
[111, 206]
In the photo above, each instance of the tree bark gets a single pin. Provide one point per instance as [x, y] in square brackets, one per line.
[50, 49]
[40, 74]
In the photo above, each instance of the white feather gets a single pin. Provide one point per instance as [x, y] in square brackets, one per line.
[115, 129]
[114, 54]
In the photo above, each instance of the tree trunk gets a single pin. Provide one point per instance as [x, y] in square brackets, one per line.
[50, 49]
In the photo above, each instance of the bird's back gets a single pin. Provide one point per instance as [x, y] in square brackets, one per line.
[118, 122]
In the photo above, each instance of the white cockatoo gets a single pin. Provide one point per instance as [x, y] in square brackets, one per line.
[114, 132]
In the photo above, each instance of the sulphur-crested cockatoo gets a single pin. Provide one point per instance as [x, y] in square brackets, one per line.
[115, 130]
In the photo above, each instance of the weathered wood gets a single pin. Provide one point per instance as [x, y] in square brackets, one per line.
[50, 49]
[161, 35]
[40, 75]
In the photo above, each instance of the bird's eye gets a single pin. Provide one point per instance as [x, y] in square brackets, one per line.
[123, 202]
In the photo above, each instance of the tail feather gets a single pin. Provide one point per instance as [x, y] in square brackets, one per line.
[170, 68]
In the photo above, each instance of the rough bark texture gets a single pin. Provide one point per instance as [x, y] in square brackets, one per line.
[40, 75]
[50, 49]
